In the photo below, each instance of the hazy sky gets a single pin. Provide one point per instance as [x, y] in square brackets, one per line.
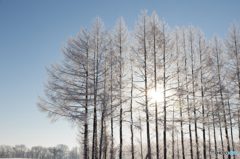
[33, 31]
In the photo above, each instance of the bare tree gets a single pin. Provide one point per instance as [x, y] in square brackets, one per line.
[166, 62]
[104, 102]
[131, 110]
[154, 39]
[232, 43]
[67, 90]
[191, 40]
[179, 69]
[204, 64]
[121, 39]
[217, 53]
[98, 42]
[37, 151]
[230, 118]
[184, 48]
[6, 151]
[20, 151]
[73, 153]
[103, 110]
[83, 42]
[113, 82]
[140, 49]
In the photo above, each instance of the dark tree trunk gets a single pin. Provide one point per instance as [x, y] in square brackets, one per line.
[94, 145]
[132, 144]
[146, 92]
[186, 77]
[179, 99]
[222, 101]
[220, 127]
[221, 134]
[102, 130]
[193, 94]
[213, 121]
[202, 102]
[155, 87]
[164, 98]
[209, 138]
[86, 116]
[141, 135]
[229, 111]
[120, 96]
[173, 141]
[111, 87]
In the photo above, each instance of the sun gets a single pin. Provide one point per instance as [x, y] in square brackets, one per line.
[156, 95]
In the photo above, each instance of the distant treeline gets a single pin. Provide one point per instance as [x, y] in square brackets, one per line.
[21, 151]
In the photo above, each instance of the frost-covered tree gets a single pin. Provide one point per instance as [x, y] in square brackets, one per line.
[6, 151]
[98, 44]
[37, 151]
[179, 88]
[155, 44]
[73, 153]
[141, 51]
[113, 89]
[131, 111]
[68, 89]
[104, 109]
[232, 43]
[186, 78]
[103, 84]
[121, 48]
[217, 52]
[20, 151]
[193, 79]
[204, 64]
[166, 62]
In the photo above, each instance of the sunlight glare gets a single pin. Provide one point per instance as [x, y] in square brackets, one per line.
[156, 96]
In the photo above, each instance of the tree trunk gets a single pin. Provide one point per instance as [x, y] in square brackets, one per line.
[173, 135]
[229, 110]
[238, 76]
[178, 148]
[155, 87]
[141, 135]
[146, 91]
[220, 127]
[94, 145]
[202, 101]
[221, 134]
[193, 94]
[209, 138]
[179, 99]
[189, 117]
[214, 130]
[120, 96]
[132, 112]
[101, 136]
[105, 141]
[86, 116]
[111, 91]
[164, 98]
[222, 103]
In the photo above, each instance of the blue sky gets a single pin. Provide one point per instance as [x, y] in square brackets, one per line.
[33, 31]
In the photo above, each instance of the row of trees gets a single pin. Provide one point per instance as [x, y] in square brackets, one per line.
[177, 90]
[21, 151]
